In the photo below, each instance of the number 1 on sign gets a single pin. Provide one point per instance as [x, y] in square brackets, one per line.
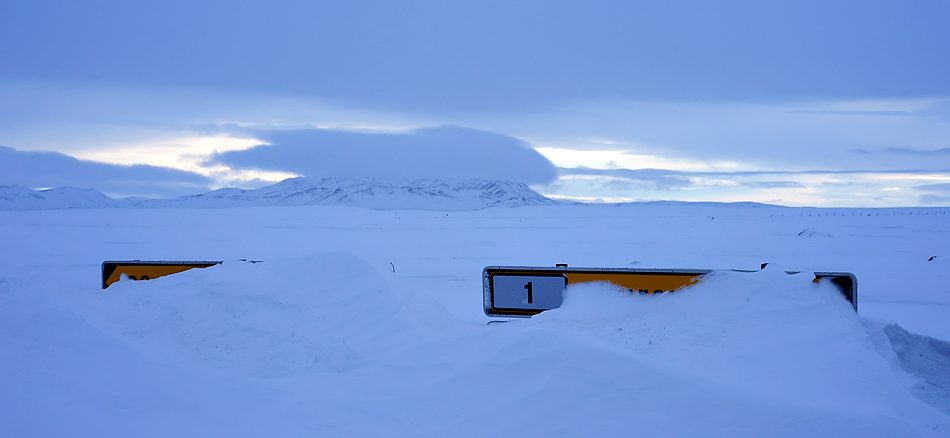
[528, 287]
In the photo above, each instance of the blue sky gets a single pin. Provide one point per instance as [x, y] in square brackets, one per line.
[797, 103]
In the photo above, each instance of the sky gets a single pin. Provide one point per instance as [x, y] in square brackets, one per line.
[801, 103]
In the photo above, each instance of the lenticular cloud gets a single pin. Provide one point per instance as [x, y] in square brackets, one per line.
[446, 152]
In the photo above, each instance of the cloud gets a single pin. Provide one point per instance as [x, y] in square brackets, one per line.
[771, 184]
[852, 184]
[53, 169]
[446, 152]
[632, 172]
[660, 179]
[649, 179]
[910, 151]
[447, 55]
[939, 110]
[858, 113]
[803, 188]
[934, 199]
[749, 136]
[942, 187]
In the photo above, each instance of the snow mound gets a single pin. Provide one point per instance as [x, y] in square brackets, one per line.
[324, 313]
[344, 343]
[322, 343]
[767, 333]
[924, 359]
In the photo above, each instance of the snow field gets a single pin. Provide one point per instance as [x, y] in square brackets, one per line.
[324, 338]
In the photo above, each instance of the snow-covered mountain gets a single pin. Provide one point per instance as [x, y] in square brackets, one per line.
[366, 192]
[21, 198]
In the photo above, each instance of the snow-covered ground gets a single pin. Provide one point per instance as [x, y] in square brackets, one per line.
[364, 322]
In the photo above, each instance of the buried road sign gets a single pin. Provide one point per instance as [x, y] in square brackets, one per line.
[112, 270]
[529, 292]
[525, 291]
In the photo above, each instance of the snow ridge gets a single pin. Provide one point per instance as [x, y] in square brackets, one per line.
[381, 194]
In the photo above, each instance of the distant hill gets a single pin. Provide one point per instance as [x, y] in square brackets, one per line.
[364, 192]
[21, 198]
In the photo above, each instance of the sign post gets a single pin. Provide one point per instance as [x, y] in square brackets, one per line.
[112, 270]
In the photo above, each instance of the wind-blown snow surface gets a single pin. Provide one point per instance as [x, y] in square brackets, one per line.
[368, 323]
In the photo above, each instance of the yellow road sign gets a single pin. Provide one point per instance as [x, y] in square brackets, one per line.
[526, 291]
[112, 270]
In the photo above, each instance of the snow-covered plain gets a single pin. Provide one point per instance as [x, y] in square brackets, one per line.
[362, 322]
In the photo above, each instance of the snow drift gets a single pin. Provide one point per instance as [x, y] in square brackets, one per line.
[368, 323]
[789, 355]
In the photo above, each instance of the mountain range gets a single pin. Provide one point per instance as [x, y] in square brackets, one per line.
[381, 194]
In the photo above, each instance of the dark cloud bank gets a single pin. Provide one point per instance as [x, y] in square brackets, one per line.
[53, 169]
[446, 152]
[438, 56]
[941, 195]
